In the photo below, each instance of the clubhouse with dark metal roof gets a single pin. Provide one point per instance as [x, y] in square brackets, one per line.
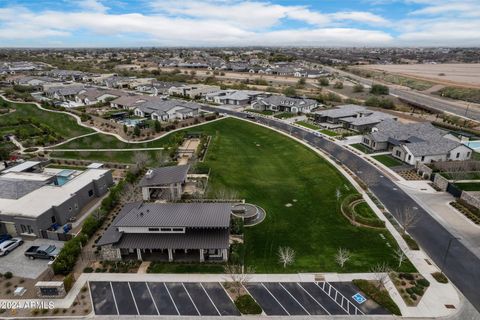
[169, 231]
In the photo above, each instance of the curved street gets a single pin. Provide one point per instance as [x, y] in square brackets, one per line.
[461, 265]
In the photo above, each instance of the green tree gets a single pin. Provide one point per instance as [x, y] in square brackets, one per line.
[379, 89]
[158, 126]
[323, 81]
[290, 92]
[301, 83]
[136, 131]
[338, 85]
[125, 128]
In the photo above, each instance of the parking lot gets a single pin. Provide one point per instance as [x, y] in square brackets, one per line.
[211, 299]
[16, 262]
[161, 298]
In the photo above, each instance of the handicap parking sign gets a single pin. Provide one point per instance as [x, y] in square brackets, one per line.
[359, 298]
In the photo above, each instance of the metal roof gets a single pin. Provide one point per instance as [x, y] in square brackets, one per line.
[192, 239]
[165, 176]
[189, 215]
[22, 166]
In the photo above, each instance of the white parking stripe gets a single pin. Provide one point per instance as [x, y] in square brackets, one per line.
[133, 297]
[166, 288]
[188, 294]
[313, 298]
[210, 299]
[357, 310]
[294, 298]
[151, 296]
[276, 299]
[114, 299]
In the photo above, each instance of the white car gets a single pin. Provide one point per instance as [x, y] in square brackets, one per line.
[7, 246]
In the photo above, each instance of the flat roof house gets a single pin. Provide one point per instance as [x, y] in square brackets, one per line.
[416, 143]
[164, 183]
[168, 232]
[193, 91]
[285, 104]
[352, 116]
[31, 203]
[235, 97]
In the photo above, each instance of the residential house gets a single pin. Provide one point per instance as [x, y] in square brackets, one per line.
[279, 103]
[235, 97]
[352, 117]
[167, 110]
[169, 232]
[416, 143]
[90, 96]
[156, 88]
[64, 92]
[66, 75]
[165, 183]
[193, 91]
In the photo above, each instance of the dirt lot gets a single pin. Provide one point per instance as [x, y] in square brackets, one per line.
[446, 74]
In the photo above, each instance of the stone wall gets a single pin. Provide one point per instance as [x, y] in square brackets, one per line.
[471, 197]
[440, 182]
[425, 170]
[50, 289]
[109, 253]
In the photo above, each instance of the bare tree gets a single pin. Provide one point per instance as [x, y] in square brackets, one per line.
[129, 193]
[141, 159]
[342, 256]
[161, 157]
[286, 256]
[237, 277]
[226, 194]
[407, 217]
[380, 271]
[400, 255]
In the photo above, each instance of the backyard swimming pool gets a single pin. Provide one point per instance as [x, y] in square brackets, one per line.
[475, 145]
[132, 122]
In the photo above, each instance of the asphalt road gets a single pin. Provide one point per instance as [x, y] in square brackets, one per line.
[462, 266]
[417, 98]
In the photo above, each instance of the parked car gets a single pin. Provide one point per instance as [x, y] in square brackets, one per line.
[9, 245]
[5, 237]
[42, 252]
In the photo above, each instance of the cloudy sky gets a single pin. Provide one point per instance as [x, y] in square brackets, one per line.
[116, 23]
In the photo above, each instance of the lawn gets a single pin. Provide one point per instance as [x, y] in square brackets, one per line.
[273, 171]
[62, 124]
[106, 156]
[387, 160]
[285, 115]
[329, 132]
[257, 163]
[264, 112]
[361, 147]
[308, 125]
[468, 186]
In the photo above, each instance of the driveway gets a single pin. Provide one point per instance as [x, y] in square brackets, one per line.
[21, 266]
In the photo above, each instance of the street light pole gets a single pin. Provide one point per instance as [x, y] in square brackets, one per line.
[446, 253]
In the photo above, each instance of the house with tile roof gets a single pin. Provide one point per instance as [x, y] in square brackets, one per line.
[416, 143]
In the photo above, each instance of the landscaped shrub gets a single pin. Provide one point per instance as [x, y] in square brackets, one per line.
[380, 296]
[412, 244]
[246, 305]
[88, 270]
[440, 277]
[68, 282]
[8, 275]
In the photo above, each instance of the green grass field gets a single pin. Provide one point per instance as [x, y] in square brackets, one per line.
[361, 147]
[329, 132]
[387, 160]
[308, 125]
[64, 125]
[468, 186]
[285, 115]
[272, 171]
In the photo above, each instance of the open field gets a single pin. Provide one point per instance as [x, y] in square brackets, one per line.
[28, 120]
[453, 74]
[297, 189]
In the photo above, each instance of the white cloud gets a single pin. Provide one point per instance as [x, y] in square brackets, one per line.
[92, 5]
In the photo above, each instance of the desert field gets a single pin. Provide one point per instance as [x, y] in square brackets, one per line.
[447, 74]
